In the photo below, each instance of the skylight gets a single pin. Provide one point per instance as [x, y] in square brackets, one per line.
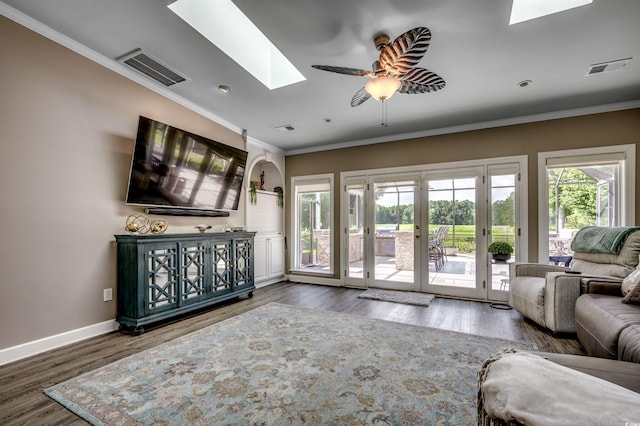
[524, 10]
[223, 24]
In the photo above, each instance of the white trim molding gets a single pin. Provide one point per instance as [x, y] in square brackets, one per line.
[35, 347]
[308, 279]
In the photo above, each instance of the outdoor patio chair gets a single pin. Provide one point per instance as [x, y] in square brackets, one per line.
[437, 253]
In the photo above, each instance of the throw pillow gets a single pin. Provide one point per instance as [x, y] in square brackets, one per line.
[631, 281]
[633, 297]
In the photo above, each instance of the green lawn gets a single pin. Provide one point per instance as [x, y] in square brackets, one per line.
[464, 235]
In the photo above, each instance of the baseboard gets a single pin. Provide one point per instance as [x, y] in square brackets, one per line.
[271, 281]
[307, 279]
[35, 347]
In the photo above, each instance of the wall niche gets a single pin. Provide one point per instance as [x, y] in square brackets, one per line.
[265, 216]
[272, 177]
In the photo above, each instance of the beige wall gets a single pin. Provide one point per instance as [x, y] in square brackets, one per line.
[615, 128]
[67, 127]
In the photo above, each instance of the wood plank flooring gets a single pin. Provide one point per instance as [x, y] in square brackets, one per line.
[22, 401]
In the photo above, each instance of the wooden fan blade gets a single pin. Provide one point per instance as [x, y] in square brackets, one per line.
[406, 51]
[422, 77]
[344, 70]
[411, 88]
[360, 97]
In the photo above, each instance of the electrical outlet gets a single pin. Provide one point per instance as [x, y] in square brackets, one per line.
[107, 294]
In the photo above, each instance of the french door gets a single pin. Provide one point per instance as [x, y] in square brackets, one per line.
[454, 243]
[428, 230]
[380, 231]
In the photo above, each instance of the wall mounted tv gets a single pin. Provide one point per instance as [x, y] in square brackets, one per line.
[175, 168]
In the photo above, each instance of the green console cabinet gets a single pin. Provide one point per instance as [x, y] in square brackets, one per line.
[161, 276]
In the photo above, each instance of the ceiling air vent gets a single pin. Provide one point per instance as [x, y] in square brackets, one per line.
[607, 66]
[151, 67]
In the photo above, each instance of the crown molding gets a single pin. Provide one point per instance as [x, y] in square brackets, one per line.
[475, 126]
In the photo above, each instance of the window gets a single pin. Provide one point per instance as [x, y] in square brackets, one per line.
[313, 222]
[581, 188]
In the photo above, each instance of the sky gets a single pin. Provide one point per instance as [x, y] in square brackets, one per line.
[442, 190]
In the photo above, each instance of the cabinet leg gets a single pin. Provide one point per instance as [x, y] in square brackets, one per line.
[250, 295]
[135, 330]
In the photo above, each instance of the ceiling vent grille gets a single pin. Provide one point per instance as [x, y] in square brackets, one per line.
[607, 66]
[151, 67]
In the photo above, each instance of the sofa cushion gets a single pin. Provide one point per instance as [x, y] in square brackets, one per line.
[615, 265]
[630, 281]
[599, 321]
[526, 295]
[626, 374]
[600, 269]
[633, 297]
[629, 344]
[531, 390]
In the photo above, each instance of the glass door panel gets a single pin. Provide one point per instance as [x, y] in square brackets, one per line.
[454, 224]
[452, 230]
[355, 233]
[313, 221]
[502, 211]
[394, 234]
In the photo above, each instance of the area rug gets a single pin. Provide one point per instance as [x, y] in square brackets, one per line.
[283, 365]
[405, 297]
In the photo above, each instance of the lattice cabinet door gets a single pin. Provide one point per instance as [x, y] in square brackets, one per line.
[192, 275]
[222, 266]
[161, 286]
[243, 263]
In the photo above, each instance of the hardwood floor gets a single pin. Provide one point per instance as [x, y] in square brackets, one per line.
[22, 401]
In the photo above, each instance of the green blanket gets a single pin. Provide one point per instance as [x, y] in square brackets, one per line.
[599, 239]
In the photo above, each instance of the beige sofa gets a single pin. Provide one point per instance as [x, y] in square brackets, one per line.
[547, 294]
[558, 389]
[606, 327]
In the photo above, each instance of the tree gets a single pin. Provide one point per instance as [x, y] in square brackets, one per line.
[502, 211]
[441, 212]
[389, 214]
[576, 197]
[465, 212]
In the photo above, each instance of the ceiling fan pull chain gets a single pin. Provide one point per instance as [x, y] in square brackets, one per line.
[384, 113]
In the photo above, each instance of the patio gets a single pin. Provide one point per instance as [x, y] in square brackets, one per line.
[457, 271]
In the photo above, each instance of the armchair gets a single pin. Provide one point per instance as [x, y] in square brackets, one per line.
[547, 294]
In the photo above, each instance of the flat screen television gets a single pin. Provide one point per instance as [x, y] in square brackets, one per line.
[175, 168]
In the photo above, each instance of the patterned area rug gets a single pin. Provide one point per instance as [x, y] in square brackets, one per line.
[279, 365]
[404, 297]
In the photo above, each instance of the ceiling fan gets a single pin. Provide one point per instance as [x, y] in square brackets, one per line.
[396, 69]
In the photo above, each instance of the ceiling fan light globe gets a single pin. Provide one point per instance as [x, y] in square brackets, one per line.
[382, 88]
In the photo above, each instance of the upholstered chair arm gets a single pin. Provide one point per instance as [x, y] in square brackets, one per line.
[521, 269]
[601, 285]
[560, 295]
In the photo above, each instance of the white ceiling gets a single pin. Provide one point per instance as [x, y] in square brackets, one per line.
[473, 48]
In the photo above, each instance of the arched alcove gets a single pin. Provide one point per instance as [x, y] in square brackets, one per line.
[265, 216]
[272, 175]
